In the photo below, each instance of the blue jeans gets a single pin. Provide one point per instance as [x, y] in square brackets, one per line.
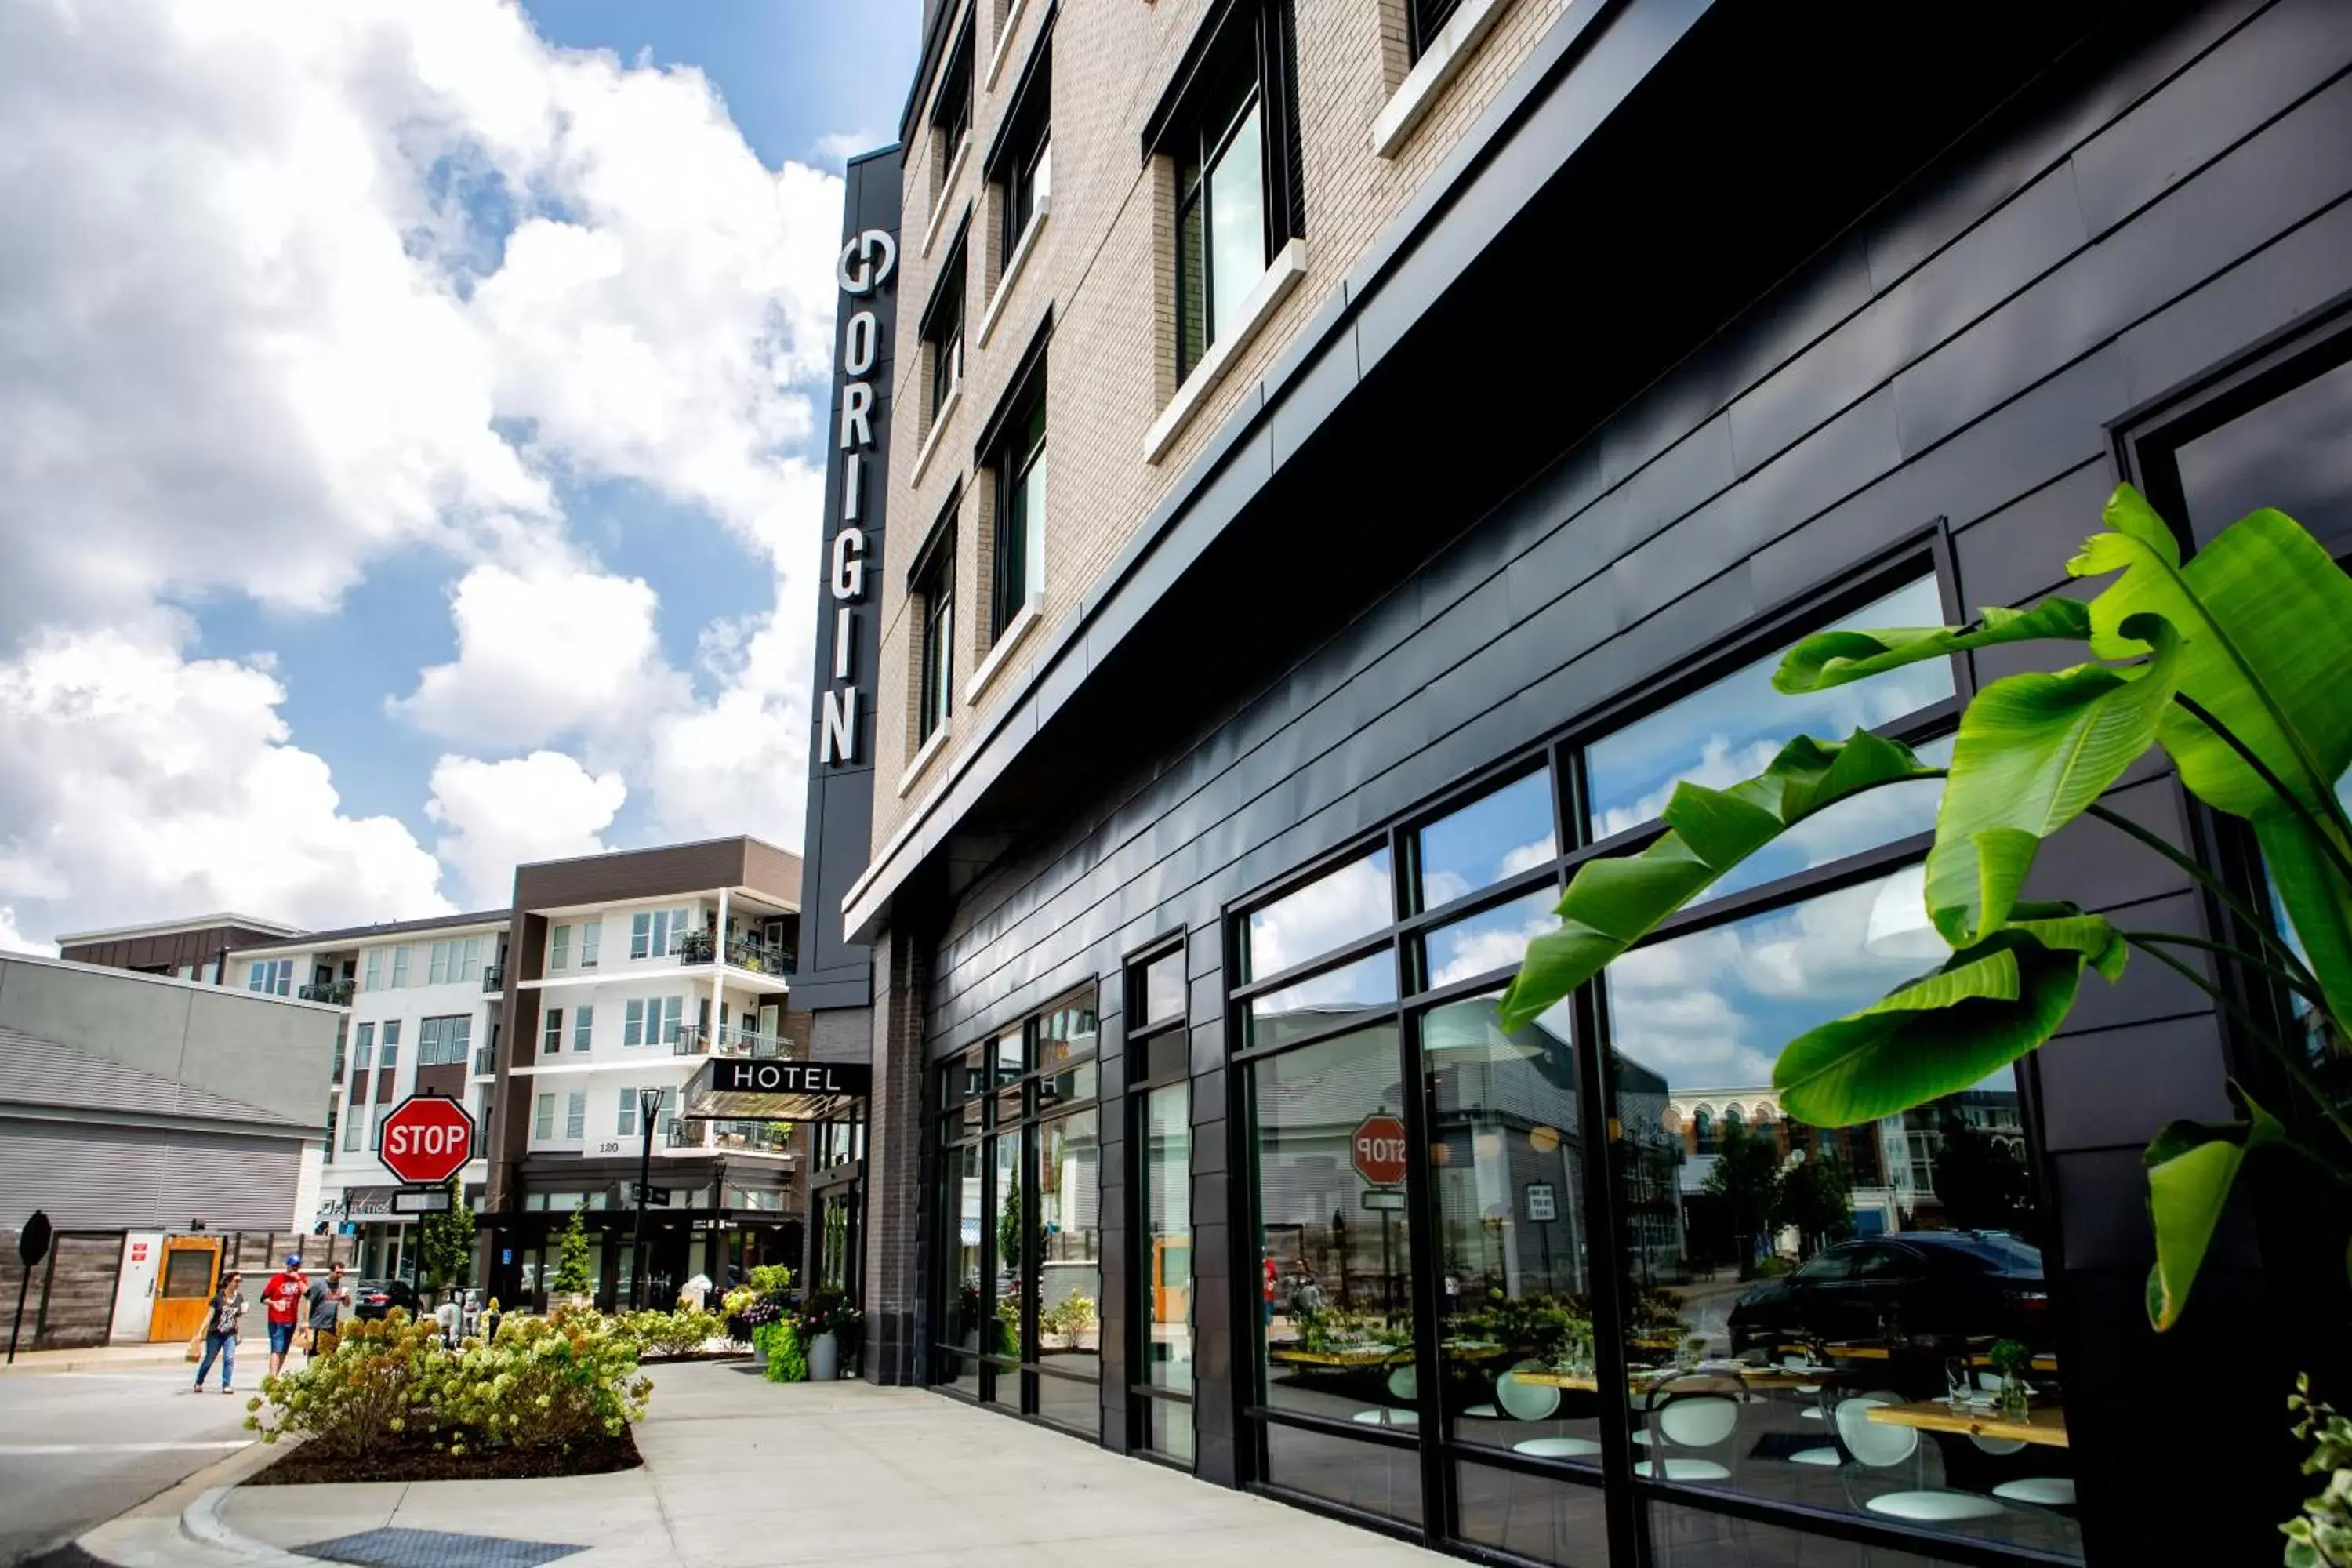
[225, 1347]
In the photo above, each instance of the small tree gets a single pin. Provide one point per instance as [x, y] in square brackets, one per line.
[1816, 1199]
[1747, 1181]
[571, 1260]
[448, 1241]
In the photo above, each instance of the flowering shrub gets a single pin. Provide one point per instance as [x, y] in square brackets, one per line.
[780, 1342]
[544, 1383]
[676, 1334]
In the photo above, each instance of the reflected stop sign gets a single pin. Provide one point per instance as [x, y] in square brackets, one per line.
[427, 1139]
[1378, 1150]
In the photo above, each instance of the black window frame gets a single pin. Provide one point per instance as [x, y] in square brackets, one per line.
[1025, 138]
[1020, 449]
[1252, 45]
[931, 591]
[953, 100]
[1627, 1499]
[1424, 20]
[941, 329]
[1157, 1058]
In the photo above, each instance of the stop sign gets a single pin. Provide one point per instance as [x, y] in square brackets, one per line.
[1378, 1148]
[427, 1139]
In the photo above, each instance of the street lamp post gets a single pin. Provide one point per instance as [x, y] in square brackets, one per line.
[649, 1101]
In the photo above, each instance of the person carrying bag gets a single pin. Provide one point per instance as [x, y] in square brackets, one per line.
[219, 1333]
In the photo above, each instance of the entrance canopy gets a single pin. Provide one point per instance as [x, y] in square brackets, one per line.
[766, 1089]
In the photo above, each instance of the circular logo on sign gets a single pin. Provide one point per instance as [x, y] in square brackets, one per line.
[866, 262]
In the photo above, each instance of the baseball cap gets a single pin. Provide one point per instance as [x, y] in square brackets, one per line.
[293, 1260]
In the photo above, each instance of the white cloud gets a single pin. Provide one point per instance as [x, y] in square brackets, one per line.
[544, 806]
[317, 283]
[14, 941]
[140, 784]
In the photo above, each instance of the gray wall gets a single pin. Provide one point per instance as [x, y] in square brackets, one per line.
[91, 1176]
[267, 1052]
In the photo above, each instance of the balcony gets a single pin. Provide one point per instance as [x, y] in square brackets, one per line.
[730, 1040]
[486, 1061]
[742, 952]
[688, 1135]
[494, 978]
[751, 1137]
[337, 992]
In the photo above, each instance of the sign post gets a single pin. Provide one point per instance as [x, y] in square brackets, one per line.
[1377, 1150]
[32, 1245]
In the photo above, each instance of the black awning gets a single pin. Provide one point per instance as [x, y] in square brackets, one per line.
[770, 1088]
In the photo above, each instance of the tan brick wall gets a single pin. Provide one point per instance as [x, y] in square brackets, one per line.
[1101, 265]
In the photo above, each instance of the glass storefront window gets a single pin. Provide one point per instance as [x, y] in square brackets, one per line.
[1370, 1478]
[1336, 1312]
[1330, 912]
[965, 1304]
[1506, 1158]
[1491, 939]
[1166, 1205]
[1804, 1301]
[1729, 731]
[1497, 835]
[1162, 990]
[1323, 1001]
[1069, 1239]
[1008, 1298]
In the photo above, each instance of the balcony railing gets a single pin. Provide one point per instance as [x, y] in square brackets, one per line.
[486, 1061]
[752, 1137]
[731, 1040]
[494, 978]
[337, 992]
[742, 952]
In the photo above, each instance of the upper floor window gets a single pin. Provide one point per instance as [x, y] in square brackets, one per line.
[400, 965]
[441, 1042]
[391, 1057]
[270, 977]
[1424, 19]
[559, 948]
[592, 933]
[658, 933]
[459, 959]
[1021, 164]
[951, 110]
[943, 332]
[1018, 563]
[551, 1042]
[1228, 126]
[375, 969]
[934, 596]
[363, 1048]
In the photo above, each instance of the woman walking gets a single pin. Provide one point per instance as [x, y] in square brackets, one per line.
[220, 1332]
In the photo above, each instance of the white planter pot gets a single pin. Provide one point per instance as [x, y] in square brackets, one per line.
[824, 1358]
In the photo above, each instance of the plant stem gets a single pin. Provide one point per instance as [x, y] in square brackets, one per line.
[2297, 1065]
[2210, 882]
[2333, 843]
[2305, 987]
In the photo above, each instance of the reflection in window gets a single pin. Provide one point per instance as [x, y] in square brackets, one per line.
[1491, 939]
[1786, 1282]
[1497, 835]
[1167, 1208]
[1338, 1317]
[1331, 911]
[1732, 730]
[1880, 816]
[1374, 1479]
[1008, 1299]
[1506, 1158]
[1069, 1275]
[1541, 1520]
[1323, 1001]
[2289, 453]
[966, 1305]
[1163, 989]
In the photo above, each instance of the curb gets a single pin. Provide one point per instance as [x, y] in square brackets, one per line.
[201, 1522]
[181, 1526]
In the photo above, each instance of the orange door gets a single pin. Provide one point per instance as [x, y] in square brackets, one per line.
[184, 1290]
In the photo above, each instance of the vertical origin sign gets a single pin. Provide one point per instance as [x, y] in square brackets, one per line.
[832, 973]
[868, 263]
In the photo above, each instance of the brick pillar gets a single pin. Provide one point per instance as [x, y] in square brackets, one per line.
[894, 1171]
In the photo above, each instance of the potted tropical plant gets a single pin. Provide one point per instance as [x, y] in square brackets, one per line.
[828, 1327]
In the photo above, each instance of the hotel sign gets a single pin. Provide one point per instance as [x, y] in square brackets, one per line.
[769, 1089]
[868, 263]
[758, 1074]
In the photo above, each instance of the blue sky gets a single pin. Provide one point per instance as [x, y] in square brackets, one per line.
[433, 481]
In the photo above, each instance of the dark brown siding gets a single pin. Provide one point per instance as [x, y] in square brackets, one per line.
[170, 952]
[446, 1079]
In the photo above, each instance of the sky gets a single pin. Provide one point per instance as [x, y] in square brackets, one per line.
[415, 418]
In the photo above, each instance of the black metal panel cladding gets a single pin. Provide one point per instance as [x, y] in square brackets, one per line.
[1815, 286]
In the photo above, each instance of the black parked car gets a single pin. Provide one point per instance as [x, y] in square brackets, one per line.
[374, 1298]
[1928, 1291]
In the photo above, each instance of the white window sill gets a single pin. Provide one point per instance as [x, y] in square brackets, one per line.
[939, 427]
[1446, 55]
[932, 748]
[1013, 266]
[1271, 288]
[1003, 49]
[947, 192]
[1001, 655]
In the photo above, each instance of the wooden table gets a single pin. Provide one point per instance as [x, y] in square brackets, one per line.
[2044, 1424]
[1772, 1377]
[1368, 1355]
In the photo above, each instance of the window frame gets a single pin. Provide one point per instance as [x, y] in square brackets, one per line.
[552, 1033]
[1143, 1082]
[1424, 20]
[932, 592]
[1926, 553]
[1023, 141]
[1021, 451]
[944, 326]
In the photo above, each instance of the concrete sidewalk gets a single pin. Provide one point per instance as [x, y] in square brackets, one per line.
[738, 1470]
[112, 1358]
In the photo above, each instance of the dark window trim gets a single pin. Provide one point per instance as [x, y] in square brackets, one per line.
[1419, 29]
[1037, 75]
[1009, 466]
[964, 42]
[1014, 400]
[936, 538]
[952, 260]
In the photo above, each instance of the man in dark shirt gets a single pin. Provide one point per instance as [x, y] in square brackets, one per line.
[327, 1297]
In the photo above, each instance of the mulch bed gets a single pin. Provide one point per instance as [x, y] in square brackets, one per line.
[305, 1464]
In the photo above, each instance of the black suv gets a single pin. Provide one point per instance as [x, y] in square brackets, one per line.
[1926, 1290]
[374, 1298]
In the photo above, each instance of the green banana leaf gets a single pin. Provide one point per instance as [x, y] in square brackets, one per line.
[2317, 901]
[1612, 903]
[2191, 1168]
[2035, 751]
[1834, 657]
[2266, 622]
[1989, 1005]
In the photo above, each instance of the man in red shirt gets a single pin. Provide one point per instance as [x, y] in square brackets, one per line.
[282, 1296]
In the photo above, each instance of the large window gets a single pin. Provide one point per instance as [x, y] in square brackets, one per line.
[1160, 1093]
[1424, 19]
[1228, 130]
[942, 336]
[951, 116]
[1021, 164]
[441, 1042]
[1018, 556]
[1784, 1303]
[932, 584]
[1021, 1272]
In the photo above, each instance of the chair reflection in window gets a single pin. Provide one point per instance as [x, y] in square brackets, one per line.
[1687, 1415]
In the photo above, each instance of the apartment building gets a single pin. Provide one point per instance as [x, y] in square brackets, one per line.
[195, 948]
[1307, 474]
[420, 1002]
[625, 974]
